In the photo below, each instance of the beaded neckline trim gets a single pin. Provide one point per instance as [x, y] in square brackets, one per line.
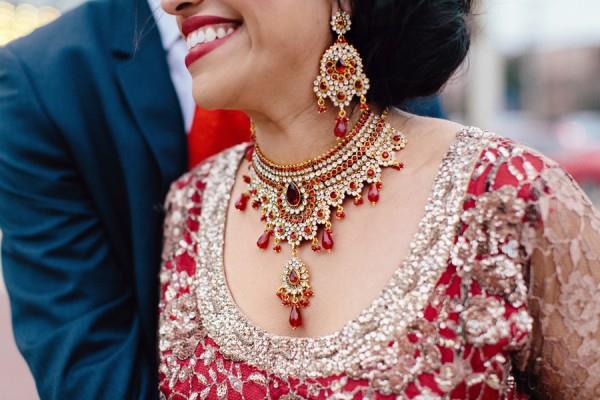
[399, 304]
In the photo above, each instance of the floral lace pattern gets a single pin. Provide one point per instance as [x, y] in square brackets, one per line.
[498, 298]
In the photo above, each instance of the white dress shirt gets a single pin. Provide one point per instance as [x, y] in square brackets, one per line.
[176, 50]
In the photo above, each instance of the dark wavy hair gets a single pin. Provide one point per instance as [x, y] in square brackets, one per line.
[410, 47]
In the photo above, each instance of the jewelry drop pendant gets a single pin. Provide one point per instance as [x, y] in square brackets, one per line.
[295, 291]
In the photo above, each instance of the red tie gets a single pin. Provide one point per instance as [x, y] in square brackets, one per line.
[214, 131]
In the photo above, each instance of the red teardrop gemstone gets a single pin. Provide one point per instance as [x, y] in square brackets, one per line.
[294, 278]
[292, 195]
[341, 127]
[340, 66]
[249, 152]
[295, 317]
[263, 240]
[373, 194]
[327, 239]
[242, 202]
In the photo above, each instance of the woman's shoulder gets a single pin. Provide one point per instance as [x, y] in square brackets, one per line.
[183, 203]
[195, 179]
[503, 176]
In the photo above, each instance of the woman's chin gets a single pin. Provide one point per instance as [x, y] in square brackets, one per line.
[206, 101]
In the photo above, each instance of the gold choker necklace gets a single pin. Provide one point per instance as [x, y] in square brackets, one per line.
[298, 201]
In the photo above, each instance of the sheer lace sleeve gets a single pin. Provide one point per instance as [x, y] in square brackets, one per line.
[562, 360]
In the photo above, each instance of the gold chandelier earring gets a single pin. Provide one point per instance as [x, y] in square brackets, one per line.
[341, 76]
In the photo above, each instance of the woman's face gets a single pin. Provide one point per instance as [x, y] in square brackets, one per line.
[246, 54]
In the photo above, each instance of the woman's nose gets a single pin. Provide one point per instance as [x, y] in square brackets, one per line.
[179, 7]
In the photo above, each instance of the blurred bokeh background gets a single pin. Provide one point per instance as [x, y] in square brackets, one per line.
[533, 75]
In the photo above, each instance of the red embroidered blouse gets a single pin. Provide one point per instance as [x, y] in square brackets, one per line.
[499, 296]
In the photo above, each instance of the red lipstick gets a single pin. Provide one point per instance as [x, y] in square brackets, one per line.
[196, 22]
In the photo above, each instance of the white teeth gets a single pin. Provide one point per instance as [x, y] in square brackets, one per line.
[201, 37]
[205, 35]
[210, 35]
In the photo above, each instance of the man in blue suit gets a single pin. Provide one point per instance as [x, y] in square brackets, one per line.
[91, 135]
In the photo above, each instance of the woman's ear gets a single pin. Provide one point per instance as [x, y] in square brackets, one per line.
[345, 5]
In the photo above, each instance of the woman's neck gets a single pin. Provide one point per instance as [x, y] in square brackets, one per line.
[300, 136]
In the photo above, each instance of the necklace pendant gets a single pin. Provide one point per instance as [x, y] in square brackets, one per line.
[295, 291]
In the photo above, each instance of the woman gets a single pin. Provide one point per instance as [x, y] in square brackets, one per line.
[472, 274]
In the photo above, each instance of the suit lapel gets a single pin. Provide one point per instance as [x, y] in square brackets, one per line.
[143, 76]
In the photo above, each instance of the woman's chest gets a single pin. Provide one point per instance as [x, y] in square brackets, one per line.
[457, 346]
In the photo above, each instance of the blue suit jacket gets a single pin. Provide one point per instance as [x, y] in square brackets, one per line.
[91, 135]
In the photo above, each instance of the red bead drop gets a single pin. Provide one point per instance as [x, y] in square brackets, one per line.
[249, 152]
[358, 201]
[398, 166]
[327, 239]
[295, 317]
[263, 240]
[373, 194]
[341, 127]
[242, 203]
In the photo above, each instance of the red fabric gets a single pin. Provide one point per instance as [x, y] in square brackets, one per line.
[214, 131]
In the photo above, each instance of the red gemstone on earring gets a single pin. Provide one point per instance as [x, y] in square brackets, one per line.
[263, 240]
[340, 66]
[341, 127]
[373, 194]
[327, 239]
[242, 202]
[292, 195]
[295, 317]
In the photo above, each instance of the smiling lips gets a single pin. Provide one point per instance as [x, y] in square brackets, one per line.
[203, 34]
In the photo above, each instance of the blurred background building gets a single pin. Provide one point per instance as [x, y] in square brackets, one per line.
[533, 75]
